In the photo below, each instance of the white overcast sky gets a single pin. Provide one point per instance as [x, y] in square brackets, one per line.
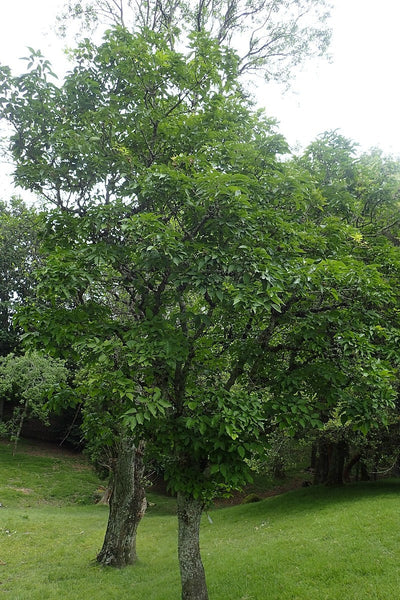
[357, 93]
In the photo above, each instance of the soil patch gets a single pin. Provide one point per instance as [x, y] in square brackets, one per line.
[25, 491]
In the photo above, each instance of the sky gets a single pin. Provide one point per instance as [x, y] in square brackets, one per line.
[358, 92]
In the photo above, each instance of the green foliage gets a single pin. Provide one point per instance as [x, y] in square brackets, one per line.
[146, 281]
[206, 290]
[330, 352]
[29, 381]
[20, 228]
[271, 37]
[203, 286]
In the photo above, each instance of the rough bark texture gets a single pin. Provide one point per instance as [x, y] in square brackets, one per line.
[127, 507]
[192, 571]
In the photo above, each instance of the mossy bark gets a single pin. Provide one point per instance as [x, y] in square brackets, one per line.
[193, 578]
[127, 506]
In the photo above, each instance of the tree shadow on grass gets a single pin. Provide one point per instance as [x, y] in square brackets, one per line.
[314, 498]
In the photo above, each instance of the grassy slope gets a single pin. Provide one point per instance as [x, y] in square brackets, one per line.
[313, 543]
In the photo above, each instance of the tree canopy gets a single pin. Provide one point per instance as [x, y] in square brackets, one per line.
[206, 288]
[270, 36]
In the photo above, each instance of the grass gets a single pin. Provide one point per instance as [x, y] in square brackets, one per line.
[313, 543]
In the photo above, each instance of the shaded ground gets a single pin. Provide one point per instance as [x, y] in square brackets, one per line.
[260, 488]
[39, 448]
[292, 483]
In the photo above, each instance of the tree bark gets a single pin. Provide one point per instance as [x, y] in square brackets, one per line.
[193, 578]
[337, 452]
[348, 467]
[330, 461]
[313, 457]
[321, 462]
[127, 506]
[20, 424]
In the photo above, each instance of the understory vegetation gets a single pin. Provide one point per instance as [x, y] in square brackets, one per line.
[315, 542]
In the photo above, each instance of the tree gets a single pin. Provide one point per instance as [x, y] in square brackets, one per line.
[362, 191]
[28, 381]
[271, 36]
[19, 231]
[164, 264]
[181, 258]
[331, 351]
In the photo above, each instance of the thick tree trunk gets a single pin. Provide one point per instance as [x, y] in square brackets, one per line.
[127, 507]
[193, 578]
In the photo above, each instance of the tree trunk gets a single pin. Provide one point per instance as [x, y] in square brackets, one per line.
[330, 459]
[313, 457]
[337, 452]
[321, 461]
[364, 472]
[348, 467]
[20, 424]
[127, 506]
[193, 579]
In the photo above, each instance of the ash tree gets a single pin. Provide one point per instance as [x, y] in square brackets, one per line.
[181, 257]
[363, 191]
[163, 261]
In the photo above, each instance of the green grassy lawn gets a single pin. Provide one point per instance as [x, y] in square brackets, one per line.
[313, 543]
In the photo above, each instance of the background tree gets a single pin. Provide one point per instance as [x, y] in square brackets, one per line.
[28, 381]
[19, 255]
[271, 36]
[362, 191]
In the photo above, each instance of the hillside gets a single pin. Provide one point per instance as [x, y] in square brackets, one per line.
[312, 543]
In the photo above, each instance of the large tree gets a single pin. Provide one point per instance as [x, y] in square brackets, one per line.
[160, 273]
[181, 257]
[343, 349]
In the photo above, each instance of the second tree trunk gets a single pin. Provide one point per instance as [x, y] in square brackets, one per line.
[191, 567]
